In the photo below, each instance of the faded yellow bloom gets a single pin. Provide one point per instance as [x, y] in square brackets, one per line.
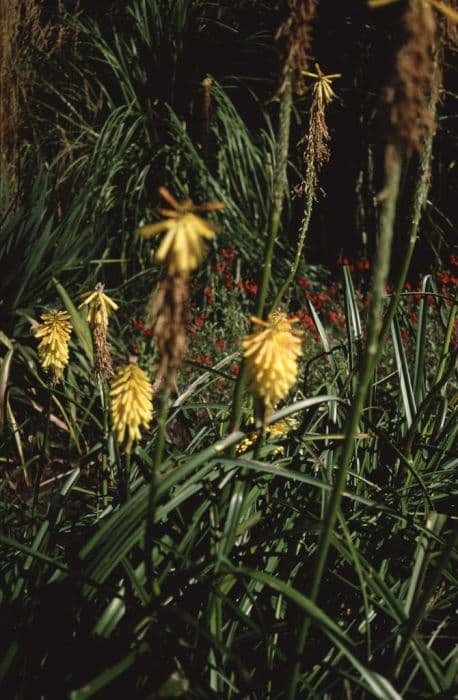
[271, 357]
[322, 87]
[131, 404]
[182, 248]
[55, 334]
[99, 306]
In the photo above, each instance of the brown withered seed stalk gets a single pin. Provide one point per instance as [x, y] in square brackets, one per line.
[314, 146]
[103, 362]
[407, 95]
[294, 40]
[166, 314]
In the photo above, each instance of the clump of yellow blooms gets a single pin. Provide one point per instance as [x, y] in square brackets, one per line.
[271, 358]
[131, 404]
[182, 247]
[55, 334]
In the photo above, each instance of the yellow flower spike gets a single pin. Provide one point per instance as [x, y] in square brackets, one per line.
[100, 307]
[55, 334]
[182, 248]
[271, 356]
[131, 404]
[323, 84]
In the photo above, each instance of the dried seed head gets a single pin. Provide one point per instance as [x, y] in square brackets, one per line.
[103, 365]
[294, 39]
[55, 334]
[406, 96]
[131, 404]
[166, 314]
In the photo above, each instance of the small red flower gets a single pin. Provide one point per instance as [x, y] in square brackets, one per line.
[208, 360]
[220, 345]
[235, 369]
[198, 359]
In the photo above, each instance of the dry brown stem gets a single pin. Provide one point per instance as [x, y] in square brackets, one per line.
[407, 94]
[294, 38]
[103, 362]
[314, 146]
[166, 314]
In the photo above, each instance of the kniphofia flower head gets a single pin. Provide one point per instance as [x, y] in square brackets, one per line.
[182, 248]
[54, 331]
[271, 357]
[99, 309]
[131, 404]
[99, 306]
[322, 87]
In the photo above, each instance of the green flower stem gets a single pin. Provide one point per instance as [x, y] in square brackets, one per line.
[151, 510]
[280, 182]
[279, 186]
[44, 452]
[300, 243]
[419, 201]
[103, 388]
[372, 350]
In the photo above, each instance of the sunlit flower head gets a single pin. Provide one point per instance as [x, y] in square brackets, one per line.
[55, 334]
[271, 357]
[182, 248]
[131, 404]
[99, 307]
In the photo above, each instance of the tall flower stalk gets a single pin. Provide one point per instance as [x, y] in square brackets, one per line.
[180, 251]
[99, 310]
[279, 187]
[53, 353]
[408, 122]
